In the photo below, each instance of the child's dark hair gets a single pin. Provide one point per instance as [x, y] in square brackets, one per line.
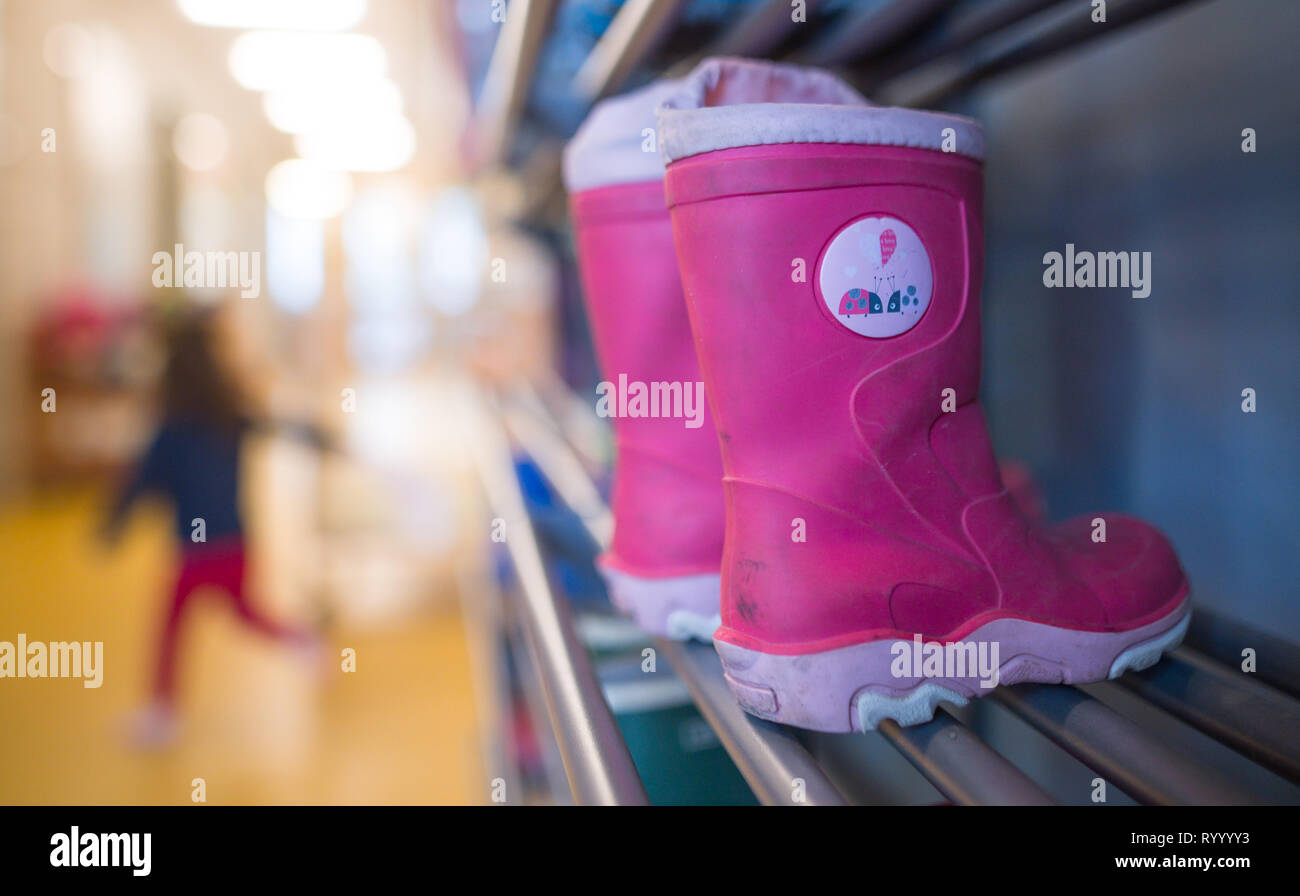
[195, 386]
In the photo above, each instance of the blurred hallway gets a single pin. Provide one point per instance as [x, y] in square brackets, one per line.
[132, 127]
[260, 726]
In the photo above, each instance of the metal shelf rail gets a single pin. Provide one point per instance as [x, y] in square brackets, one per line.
[509, 74]
[1276, 662]
[596, 758]
[981, 63]
[961, 766]
[777, 767]
[963, 30]
[908, 52]
[1248, 716]
[760, 32]
[870, 30]
[1254, 719]
[1138, 763]
[637, 27]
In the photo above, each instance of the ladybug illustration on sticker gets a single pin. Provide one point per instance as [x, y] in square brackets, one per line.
[875, 277]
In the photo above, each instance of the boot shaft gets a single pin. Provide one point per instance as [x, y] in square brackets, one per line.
[667, 495]
[831, 258]
[793, 258]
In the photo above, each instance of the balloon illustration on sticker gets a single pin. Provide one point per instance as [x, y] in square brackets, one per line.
[888, 242]
[875, 277]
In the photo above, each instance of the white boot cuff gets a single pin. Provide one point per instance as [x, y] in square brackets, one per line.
[725, 103]
[611, 145]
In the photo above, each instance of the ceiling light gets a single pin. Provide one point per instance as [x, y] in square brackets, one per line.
[271, 60]
[360, 145]
[304, 15]
[300, 108]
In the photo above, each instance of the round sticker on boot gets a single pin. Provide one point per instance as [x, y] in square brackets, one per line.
[875, 277]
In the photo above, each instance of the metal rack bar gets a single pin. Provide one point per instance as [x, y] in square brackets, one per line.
[596, 758]
[961, 766]
[776, 765]
[631, 37]
[558, 460]
[522, 653]
[510, 72]
[872, 29]
[1254, 719]
[965, 28]
[483, 617]
[1277, 662]
[574, 419]
[1102, 739]
[758, 33]
[1072, 33]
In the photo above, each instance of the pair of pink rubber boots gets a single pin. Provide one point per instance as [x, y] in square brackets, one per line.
[839, 517]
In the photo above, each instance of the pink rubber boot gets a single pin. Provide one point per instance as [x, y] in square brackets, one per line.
[875, 564]
[663, 564]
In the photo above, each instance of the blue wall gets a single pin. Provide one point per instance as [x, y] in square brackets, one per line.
[1133, 142]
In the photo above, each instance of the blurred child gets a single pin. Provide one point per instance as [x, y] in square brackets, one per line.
[194, 462]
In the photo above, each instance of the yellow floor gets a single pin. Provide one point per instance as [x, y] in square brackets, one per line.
[260, 725]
